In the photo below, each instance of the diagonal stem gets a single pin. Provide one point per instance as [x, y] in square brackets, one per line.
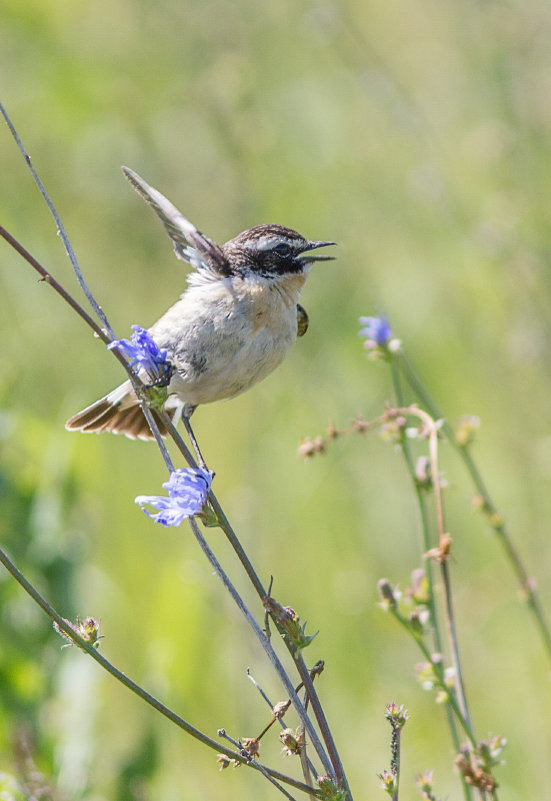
[60, 227]
[136, 688]
[251, 573]
[100, 333]
[266, 645]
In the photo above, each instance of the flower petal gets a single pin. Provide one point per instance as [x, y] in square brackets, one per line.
[376, 329]
[187, 494]
[143, 353]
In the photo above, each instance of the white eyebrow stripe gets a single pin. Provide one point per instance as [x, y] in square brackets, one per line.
[268, 242]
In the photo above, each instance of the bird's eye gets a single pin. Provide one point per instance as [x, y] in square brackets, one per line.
[282, 249]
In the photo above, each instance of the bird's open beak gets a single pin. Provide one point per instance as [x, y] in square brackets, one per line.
[315, 257]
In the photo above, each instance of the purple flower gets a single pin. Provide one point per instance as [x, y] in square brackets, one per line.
[144, 354]
[377, 330]
[187, 494]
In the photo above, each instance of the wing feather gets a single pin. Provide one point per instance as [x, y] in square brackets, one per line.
[189, 243]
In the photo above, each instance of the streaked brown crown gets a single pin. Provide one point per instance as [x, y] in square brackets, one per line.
[271, 250]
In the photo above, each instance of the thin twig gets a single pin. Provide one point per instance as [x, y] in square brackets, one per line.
[439, 674]
[272, 656]
[395, 759]
[131, 685]
[325, 731]
[432, 430]
[137, 384]
[500, 528]
[251, 573]
[421, 505]
[60, 227]
[307, 765]
[49, 279]
[281, 789]
[260, 690]
[98, 657]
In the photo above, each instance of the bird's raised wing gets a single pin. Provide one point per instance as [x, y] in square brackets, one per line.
[189, 244]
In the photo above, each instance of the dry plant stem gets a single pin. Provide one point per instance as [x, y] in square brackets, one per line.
[523, 577]
[107, 338]
[395, 760]
[308, 768]
[305, 761]
[427, 545]
[308, 771]
[430, 425]
[223, 521]
[326, 733]
[270, 653]
[281, 789]
[194, 443]
[299, 661]
[265, 698]
[47, 278]
[60, 227]
[251, 573]
[439, 673]
[337, 767]
[131, 685]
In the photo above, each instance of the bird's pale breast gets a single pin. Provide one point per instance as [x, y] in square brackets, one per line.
[223, 339]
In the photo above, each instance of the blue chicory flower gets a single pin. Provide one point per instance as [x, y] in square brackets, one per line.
[187, 494]
[144, 353]
[376, 329]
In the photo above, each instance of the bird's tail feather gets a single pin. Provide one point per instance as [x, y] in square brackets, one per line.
[120, 413]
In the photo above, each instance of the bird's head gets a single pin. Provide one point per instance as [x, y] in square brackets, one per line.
[271, 251]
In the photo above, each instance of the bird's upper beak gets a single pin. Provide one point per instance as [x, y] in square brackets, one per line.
[313, 246]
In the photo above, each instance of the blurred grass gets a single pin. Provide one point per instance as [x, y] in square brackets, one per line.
[418, 138]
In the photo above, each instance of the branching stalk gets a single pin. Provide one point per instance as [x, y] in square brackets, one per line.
[337, 767]
[427, 544]
[432, 430]
[523, 577]
[132, 686]
[265, 642]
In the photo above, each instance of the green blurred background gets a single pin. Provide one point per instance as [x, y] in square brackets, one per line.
[417, 135]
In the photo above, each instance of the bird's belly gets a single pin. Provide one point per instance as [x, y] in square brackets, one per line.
[226, 365]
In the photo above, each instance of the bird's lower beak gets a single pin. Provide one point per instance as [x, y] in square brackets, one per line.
[316, 257]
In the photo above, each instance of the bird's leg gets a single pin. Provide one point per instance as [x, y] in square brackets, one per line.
[187, 411]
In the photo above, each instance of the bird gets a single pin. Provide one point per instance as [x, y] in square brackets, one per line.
[233, 325]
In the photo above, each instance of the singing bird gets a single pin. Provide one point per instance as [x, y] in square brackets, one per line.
[234, 324]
